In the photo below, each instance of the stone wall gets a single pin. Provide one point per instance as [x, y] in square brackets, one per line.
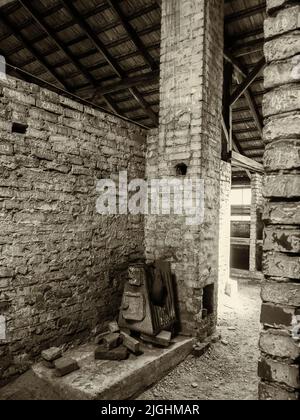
[61, 264]
[279, 365]
[190, 134]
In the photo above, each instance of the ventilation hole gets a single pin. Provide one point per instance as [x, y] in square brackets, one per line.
[181, 169]
[208, 300]
[19, 128]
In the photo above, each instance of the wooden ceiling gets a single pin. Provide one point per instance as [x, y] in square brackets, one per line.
[107, 52]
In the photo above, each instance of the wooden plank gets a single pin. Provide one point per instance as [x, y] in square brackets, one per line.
[246, 163]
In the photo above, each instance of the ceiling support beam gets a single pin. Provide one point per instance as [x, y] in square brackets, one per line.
[33, 51]
[126, 83]
[28, 6]
[244, 162]
[108, 57]
[133, 35]
[247, 82]
[261, 8]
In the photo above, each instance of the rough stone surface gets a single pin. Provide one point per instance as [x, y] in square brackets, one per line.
[120, 353]
[286, 20]
[270, 392]
[282, 155]
[279, 367]
[51, 354]
[286, 46]
[62, 265]
[271, 370]
[279, 344]
[65, 366]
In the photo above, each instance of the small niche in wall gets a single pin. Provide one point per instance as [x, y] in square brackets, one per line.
[181, 169]
[19, 128]
[208, 300]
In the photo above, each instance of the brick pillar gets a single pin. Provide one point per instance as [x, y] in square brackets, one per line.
[279, 365]
[225, 227]
[190, 133]
[256, 203]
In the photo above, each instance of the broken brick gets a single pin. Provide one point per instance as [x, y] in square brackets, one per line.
[65, 366]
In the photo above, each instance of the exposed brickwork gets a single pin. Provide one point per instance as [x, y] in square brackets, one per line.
[190, 133]
[225, 216]
[256, 209]
[279, 366]
[60, 262]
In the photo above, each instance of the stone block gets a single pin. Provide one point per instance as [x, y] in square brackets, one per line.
[276, 316]
[282, 240]
[111, 341]
[282, 72]
[114, 327]
[287, 46]
[281, 265]
[281, 186]
[6, 149]
[282, 213]
[131, 344]
[282, 155]
[285, 21]
[271, 392]
[281, 100]
[65, 366]
[275, 5]
[200, 349]
[279, 344]
[118, 354]
[283, 127]
[51, 354]
[274, 371]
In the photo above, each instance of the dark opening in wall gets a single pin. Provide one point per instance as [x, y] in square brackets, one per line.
[181, 169]
[19, 128]
[239, 258]
[208, 300]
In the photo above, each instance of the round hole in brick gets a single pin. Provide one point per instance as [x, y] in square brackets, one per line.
[181, 169]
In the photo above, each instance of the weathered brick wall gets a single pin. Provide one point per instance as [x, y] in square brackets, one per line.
[190, 133]
[225, 226]
[256, 207]
[279, 366]
[61, 264]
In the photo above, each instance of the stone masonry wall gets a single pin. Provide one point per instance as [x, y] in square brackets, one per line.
[225, 225]
[61, 264]
[279, 365]
[190, 134]
[256, 206]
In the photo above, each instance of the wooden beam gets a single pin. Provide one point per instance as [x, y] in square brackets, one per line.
[244, 162]
[261, 8]
[133, 35]
[247, 82]
[33, 51]
[126, 83]
[237, 66]
[152, 115]
[92, 37]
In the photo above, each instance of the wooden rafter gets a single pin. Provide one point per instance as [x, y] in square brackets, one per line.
[246, 13]
[247, 82]
[133, 35]
[33, 51]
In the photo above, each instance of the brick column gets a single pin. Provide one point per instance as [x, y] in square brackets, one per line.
[256, 203]
[225, 227]
[190, 133]
[279, 365]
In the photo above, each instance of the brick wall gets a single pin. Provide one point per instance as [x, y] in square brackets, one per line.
[279, 365]
[256, 208]
[61, 264]
[225, 217]
[190, 133]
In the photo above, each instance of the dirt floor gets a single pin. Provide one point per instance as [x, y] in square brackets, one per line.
[227, 372]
